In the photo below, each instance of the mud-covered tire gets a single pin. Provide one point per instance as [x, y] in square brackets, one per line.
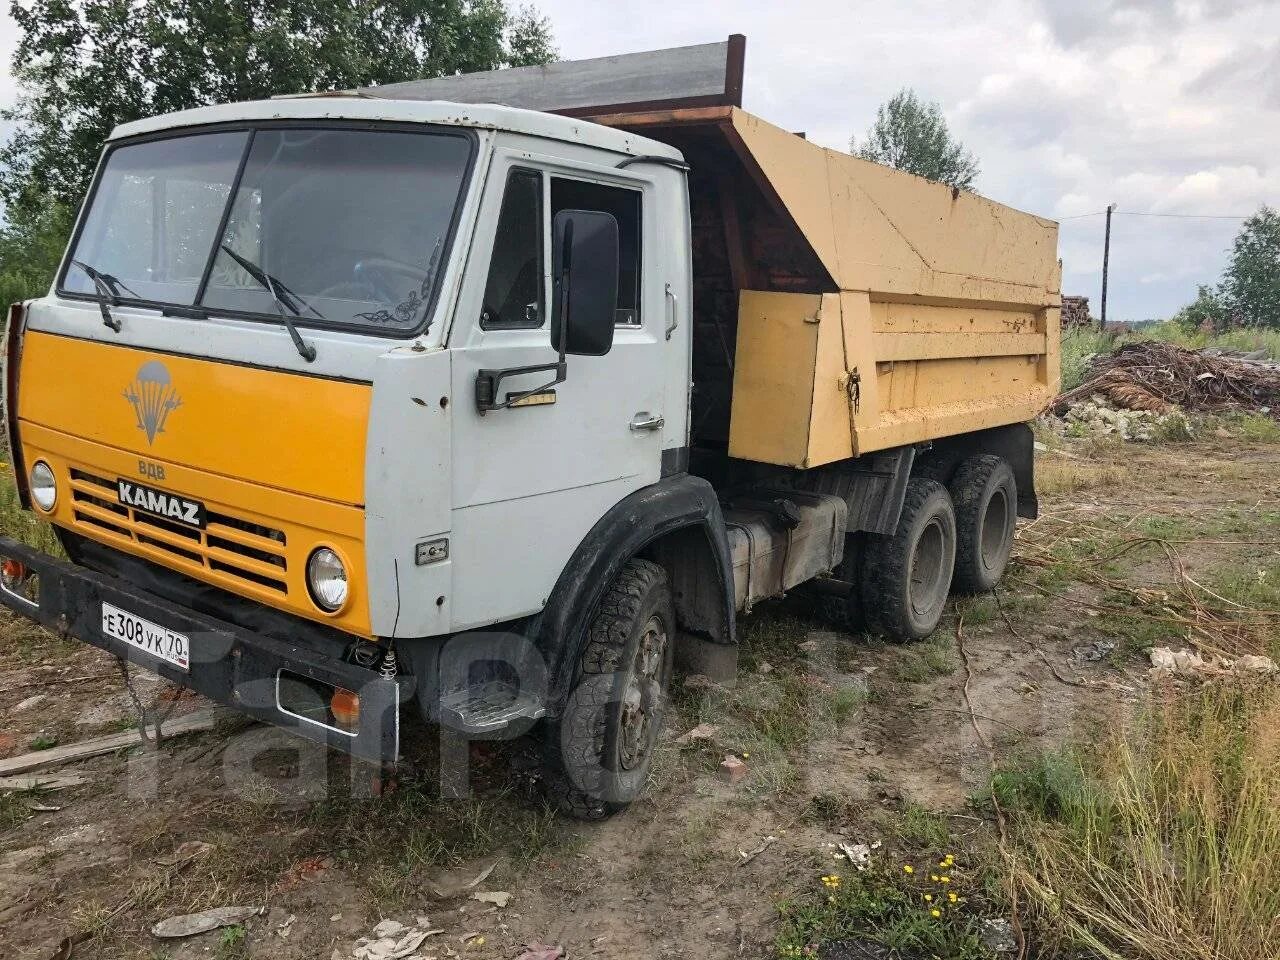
[906, 577]
[843, 613]
[591, 769]
[985, 495]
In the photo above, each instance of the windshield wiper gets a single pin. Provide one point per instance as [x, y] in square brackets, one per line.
[108, 288]
[276, 288]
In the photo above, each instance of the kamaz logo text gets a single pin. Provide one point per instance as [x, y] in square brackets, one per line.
[169, 505]
[153, 398]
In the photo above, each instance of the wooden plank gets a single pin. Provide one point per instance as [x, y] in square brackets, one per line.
[49, 781]
[946, 346]
[679, 117]
[96, 747]
[733, 238]
[705, 74]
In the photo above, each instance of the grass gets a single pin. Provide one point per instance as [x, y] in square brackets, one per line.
[1078, 348]
[1247, 339]
[1163, 842]
[1253, 427]
[396, 843]
[23, 525]
[934, 657]
[13, 809]
[922, 828]
[917, 906]
[233, 943]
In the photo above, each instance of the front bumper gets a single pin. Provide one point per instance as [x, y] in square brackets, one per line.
[229, 665]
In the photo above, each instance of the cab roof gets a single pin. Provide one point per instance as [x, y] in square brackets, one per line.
[484, 116]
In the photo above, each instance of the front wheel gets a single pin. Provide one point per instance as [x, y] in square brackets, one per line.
[599, 750]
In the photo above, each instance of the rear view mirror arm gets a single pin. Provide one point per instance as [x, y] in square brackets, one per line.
[488, 381]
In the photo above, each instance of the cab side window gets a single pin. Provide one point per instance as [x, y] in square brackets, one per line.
[624, 204]
[513, 294]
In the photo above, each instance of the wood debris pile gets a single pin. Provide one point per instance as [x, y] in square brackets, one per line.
[1158, 376]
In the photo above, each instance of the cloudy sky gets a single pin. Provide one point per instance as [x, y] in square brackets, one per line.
[1167, 107]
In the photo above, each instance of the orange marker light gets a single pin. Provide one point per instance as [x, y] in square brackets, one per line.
[345, 707]
[13, 573]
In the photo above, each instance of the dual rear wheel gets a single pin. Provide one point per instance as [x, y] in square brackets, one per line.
[955, 538]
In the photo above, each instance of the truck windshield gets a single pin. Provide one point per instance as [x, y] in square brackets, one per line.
[352, 222]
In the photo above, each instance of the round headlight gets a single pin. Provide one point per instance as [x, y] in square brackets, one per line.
[44, 491]
[327, 578]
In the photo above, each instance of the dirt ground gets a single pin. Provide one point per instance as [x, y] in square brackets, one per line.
[846, 739]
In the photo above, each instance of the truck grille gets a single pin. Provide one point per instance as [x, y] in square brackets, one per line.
[228, 545]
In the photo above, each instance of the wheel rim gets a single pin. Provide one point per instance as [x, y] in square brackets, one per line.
[995, 528]
[928, 568]
[642, 696]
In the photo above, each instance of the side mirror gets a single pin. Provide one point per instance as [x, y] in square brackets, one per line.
[584, 265]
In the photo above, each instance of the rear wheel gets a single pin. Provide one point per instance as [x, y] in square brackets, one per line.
[985, 494]
[599, 750]
[906, 577]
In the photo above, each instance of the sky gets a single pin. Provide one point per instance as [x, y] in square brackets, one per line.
[1168, 107]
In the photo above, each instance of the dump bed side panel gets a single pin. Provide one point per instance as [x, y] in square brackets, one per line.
[948, 308]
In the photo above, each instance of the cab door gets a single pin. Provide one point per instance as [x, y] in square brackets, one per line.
[530, 480]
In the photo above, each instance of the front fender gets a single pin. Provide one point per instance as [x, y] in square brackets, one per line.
[673, 504]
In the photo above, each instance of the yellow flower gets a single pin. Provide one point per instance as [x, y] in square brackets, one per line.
[908, 868]
[935, 912]
[944, 879]
[933, 877]
[952, 897]
[928, 898]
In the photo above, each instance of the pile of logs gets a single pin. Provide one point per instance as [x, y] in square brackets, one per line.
[1075, 312]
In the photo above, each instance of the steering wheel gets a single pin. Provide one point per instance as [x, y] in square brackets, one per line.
[372, 278]
[378, 273]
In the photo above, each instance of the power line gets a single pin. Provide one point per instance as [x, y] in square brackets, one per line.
[1185, 216]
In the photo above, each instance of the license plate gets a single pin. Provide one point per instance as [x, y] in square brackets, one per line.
[151, 638]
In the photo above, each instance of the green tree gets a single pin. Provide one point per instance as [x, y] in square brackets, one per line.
[30, 250]
[1207, 312]
[84, 66]
[1251, 284]
[910, 134]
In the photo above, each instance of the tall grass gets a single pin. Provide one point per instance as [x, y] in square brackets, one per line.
[1078, 347]
[1245, 338]
[1165, 843]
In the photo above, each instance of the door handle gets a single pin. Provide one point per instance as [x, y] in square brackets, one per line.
[644, 421]
[674, 314]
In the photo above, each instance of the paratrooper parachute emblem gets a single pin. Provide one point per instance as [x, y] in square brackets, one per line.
[153, 398]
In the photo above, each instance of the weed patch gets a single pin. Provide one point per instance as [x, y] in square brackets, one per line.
[914, 908]
[1162, 843]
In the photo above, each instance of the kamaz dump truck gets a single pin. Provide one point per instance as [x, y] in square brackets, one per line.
[400, 399]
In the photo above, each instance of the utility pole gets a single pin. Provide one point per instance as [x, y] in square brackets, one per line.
[1106, 260]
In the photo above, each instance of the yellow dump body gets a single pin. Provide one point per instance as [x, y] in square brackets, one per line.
[842, 307]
